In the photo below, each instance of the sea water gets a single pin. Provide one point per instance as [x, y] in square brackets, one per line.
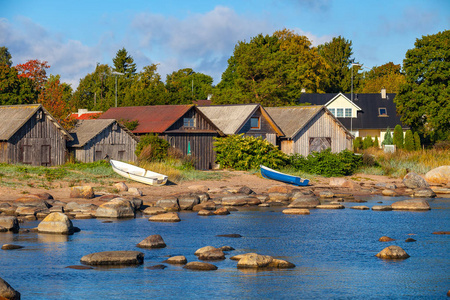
[333, 250]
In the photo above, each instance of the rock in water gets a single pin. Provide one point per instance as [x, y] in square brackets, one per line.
[393, 252]
[385, 239]
[413, 204]
[11, 247]
[114, 258]
[152, 241]
[253, 260]
[176, 260]
[10, 223]
[116, 208]
[200, 266]
[414, 181]
[56, 223]
[167, 217]
[7, 292]
[296, 211]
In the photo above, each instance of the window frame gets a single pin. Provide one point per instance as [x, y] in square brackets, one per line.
[339, 110]
[385, 112]
[189, 122]
[259, 123]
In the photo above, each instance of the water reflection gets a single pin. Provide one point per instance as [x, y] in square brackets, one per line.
[48, 238]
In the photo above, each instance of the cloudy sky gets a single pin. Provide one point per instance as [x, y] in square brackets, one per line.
[73, 36]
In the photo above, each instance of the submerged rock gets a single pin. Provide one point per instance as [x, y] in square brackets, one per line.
[7, 291]
[381, 208]
[393, 252]
[156, 267]
[296, 211]
[230, 235]
[152, 241]
[200, 266]
[385, 239]
[11, 247]
[114, 258]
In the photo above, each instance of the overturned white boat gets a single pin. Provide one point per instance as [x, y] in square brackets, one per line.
[138, 174]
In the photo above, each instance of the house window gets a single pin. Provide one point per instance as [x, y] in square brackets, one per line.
[189, 122]
[348, 112]
[333, 111]
[382, 111]
[254, 123]
[340, 112]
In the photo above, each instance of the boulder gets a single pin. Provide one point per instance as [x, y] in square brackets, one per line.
[135, 191]
[281, 264]
[414, 181]
[176, 260]
[86, 192]
[304, 202]
[208, 205]
[360, 207]
[388, 193]
[235, 200]
[115, 208]
[200, 266]
[330, 206]
[381, 208]
[226, 248]
[439, 175]
[156, 267]
[424, 193]
[166, 217]
[57, 223]
[393, 252]
[253, 260]
[409, 240]
[285, 189]
[153, 210]
[205, 213]
[326, 194]
[107, 197]
[187, 202]
[136, 202]
[222, 211]
[385, 239]
[33, 201]
[7, 209]
[216, 254]
[121, 186]
[28, 210]
[114, 258]
[169, 204]
[205, 249]
[413, 204]
[152, 241]
[343, 183]
[7, 291]
[278, 197]
[11, 247]
[296, 211]
[10, 223]
[440, 190]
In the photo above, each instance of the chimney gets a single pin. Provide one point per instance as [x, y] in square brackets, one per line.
[383, 93]
[303, 91]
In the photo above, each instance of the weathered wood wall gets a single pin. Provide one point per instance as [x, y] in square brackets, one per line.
[39, 143]
[321, 126]
[113, 141]
[266, 131]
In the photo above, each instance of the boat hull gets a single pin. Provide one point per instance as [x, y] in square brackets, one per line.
[138, 174]
[275, 175]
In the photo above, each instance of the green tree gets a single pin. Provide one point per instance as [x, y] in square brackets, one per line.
[338, 56]
[376, 143]
[387, 138]
[124, 63]
[357, 143]
[409, 140]
[14, 89]
[398, 137]
[271, 70]
[185, 85]
[417, 144]
[387, 76]
[367, 142]
[5, 57]
[424, 100]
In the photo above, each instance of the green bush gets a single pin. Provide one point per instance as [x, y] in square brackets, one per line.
[327, 164]
[245, 153]
[417, 144]
[357, 143]
[152, 148]
[376, 144]
[387, 138]
[409, 141]
[367, 142]
[398, 137]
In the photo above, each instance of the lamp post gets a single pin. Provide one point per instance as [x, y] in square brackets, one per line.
[118, 73]
[351, 99]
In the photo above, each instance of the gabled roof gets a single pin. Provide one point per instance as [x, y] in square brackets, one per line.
[368, 117]
[342, 95]
[152, 119]
[292, 119]
[85, 116]
[231, 118]
[13, 117]
[86, 130]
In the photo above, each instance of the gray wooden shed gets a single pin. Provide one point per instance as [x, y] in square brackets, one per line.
[29, 134]
[95, 139]
[310, 128]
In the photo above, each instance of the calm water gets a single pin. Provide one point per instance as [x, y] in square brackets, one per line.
[334, 251]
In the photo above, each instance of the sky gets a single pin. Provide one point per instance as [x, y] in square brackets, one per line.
[74, 36]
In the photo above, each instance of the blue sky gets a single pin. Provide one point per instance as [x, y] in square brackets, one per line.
[73, 36]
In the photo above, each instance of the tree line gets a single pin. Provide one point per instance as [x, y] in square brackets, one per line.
[272, 70]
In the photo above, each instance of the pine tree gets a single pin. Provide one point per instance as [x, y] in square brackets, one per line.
[417, 144]
[398, 137]
[376, 144]
[124, 63]
[387, 138]
[367, 142]
[409, 140]
[357, 143]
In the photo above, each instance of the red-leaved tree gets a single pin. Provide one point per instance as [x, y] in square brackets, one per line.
[35, 70]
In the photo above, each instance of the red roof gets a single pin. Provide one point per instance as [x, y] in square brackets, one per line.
[85, 116]
[157, 118]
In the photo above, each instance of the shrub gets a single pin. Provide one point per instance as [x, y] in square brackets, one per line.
[376, 144]
[398, 137]
[417, 144]
[152, 148]
[245, 153]
[357, 143]
[409, 141]
[387, 138]
[367, 142]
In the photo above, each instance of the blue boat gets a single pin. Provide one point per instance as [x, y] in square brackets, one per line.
[275, 175]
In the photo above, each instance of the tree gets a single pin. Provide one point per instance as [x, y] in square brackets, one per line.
[35, 70]
[424, 100]
[376, 143]
[357, 143]
[409, 140]
[398, 137]
[367, 142]
[338, 56]
[5, 57]
[417, 144]
[55, 98]
[15, 90]
[124, 63]
[387, 138]
[387, 76]
[271, 70]
[185, 85]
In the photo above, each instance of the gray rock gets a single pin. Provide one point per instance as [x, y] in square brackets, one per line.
[169, 204]
[439, 175]
[216, 254]
[414, 181]
[11, 223]
[7, 291]
[381, 208]
[208, 205]
[413, 204]
[187, 202]
[152, 241]
[424, 193]
[114, 258]
[116, 208]
[176, 260]
[304, 202]
[200, 266]
[166, 217]
[57, 223]
[121, 186]
[86, 192]
[393, 252]
[135, 191]
[326, 194]
[278, 197]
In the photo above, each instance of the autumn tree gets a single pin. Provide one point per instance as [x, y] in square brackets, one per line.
[35, 70]
[5, 57]
[338, 56]
[387, 76]
[271, 70]
[424, 100]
